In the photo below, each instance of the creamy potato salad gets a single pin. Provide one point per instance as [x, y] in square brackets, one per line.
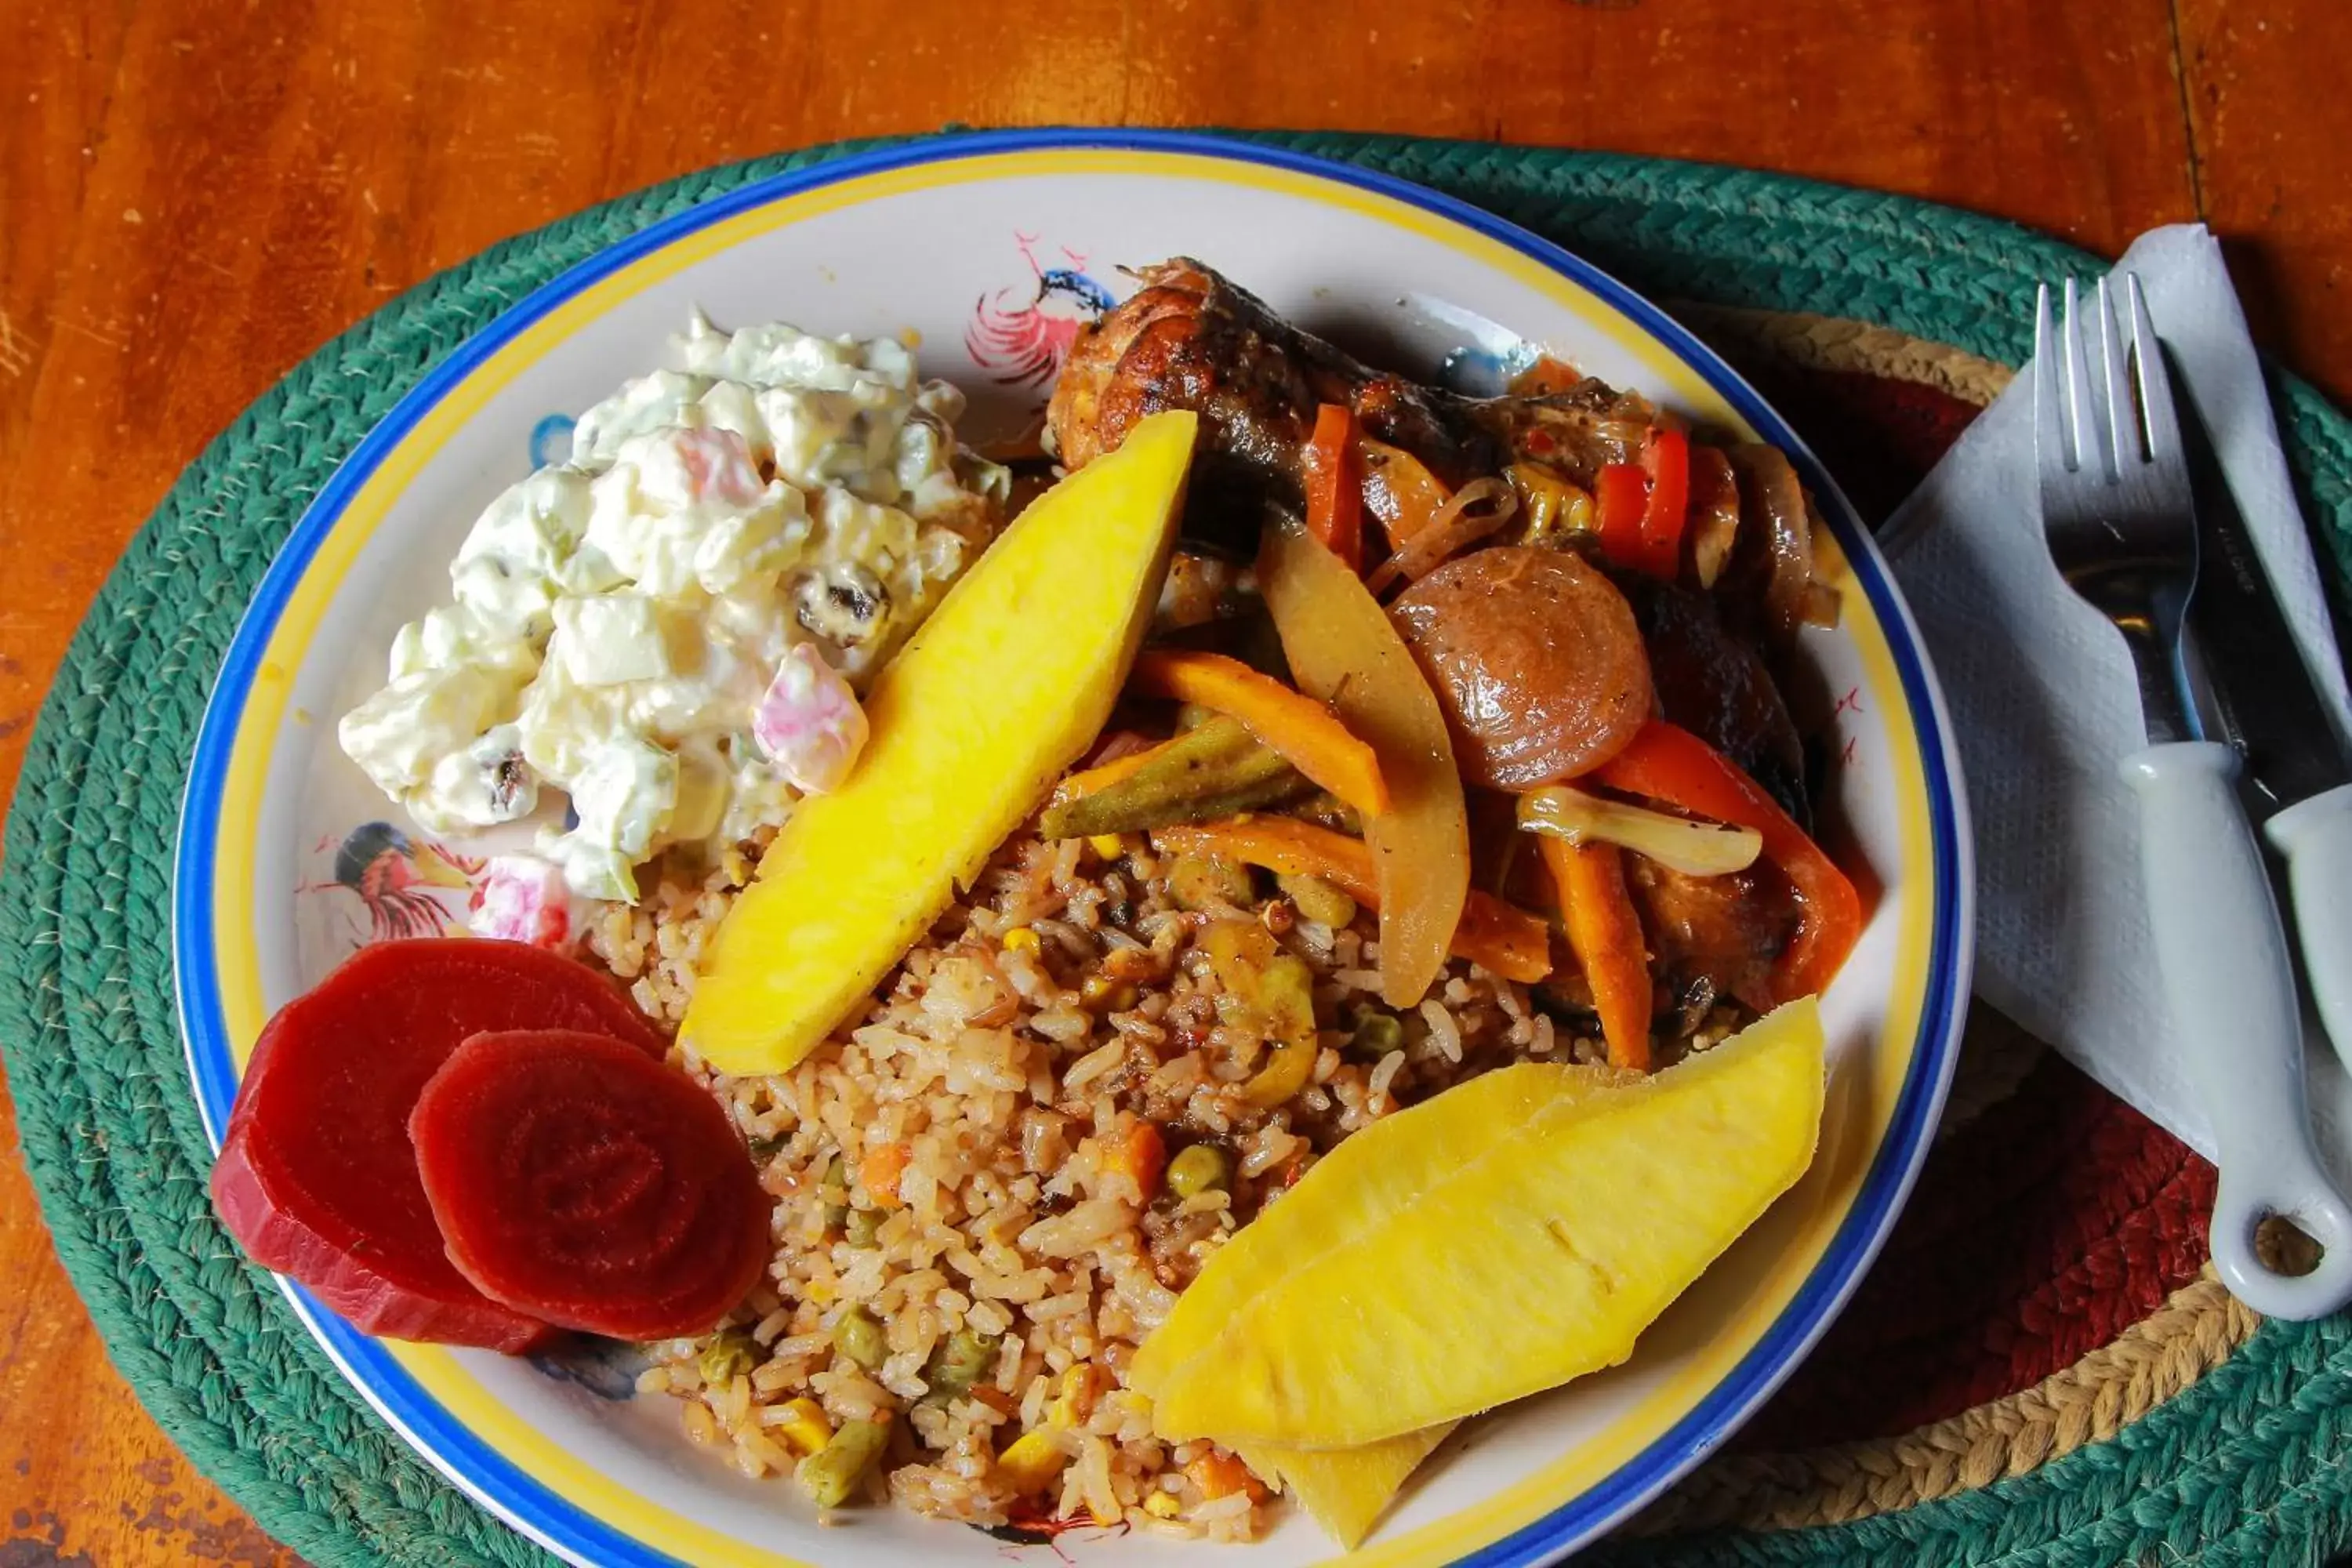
[672, 628]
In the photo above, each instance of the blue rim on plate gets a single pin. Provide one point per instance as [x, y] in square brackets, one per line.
[493, 1480]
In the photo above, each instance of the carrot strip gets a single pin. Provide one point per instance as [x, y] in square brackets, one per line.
[1604, 931]
[1300, 730]
[1493, 934]
[1335, 485]
[1673, 765]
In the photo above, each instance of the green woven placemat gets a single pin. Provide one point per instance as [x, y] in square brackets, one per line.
[2249, 1465]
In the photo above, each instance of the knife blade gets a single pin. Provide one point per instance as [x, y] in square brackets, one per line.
[2264, 700]
[2298, 774]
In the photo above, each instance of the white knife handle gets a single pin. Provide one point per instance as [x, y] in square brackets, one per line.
[2223, 955]
[2316, 836]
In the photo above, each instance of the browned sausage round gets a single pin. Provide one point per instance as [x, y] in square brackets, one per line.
[1536, 660]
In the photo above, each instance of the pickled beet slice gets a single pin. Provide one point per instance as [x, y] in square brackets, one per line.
[316, 1178]
[580, 1181]
[355, 1285]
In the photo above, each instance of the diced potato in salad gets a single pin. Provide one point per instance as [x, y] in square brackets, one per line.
[671, 630]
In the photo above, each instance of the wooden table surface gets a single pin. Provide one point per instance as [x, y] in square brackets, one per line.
[195, 194]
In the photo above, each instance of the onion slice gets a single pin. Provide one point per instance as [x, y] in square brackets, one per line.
[1478, 508]
[1693, 848]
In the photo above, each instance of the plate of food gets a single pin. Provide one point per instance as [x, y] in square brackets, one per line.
[1081, 840]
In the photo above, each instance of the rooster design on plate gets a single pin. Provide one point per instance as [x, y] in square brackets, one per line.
[405, 887]
[1020, 334]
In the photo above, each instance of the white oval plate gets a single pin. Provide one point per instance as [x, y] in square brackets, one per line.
[991, 248]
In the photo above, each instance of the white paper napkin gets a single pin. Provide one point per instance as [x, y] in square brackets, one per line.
[2044, 703]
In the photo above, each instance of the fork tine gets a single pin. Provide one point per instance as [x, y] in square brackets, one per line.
[2125, 448]
[2049, 420]
[2162, 422]
[2082, 422]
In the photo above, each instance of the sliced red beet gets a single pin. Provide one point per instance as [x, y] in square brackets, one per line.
[587, 1185]
[317, 1179]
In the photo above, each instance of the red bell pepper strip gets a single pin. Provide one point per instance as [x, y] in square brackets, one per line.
[1619, 500]
[1604, 931]
[1667, 458]
[1335, 485]
[1672, 765]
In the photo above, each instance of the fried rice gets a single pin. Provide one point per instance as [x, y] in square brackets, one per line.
[953, 1168]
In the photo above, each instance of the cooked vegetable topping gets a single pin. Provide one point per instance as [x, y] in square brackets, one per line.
[1345, 654]
[957, 1361]
[879, 1170]
[1201, 1168]
[1620, 497]
[831, 1475]
[1216, 770]
[1400, 490]
[1714, 513]
[1553, 509]
[1140, 1153]
[858, 1336]
[1200, 882]
[1107, 993]
[1302, 730]
[1772, 561]
[1481, 507]
[1219, 1475]
[1376, 1033]
[1605, 934]
[1510, 941]
[1080, 1388]
[730, 1354]
[1699, 848]
[862, 1228]
[1672, 765]
[1275, 993]
[803, 1428]
[1666, 459]
[1111, 769]
[1317, 899]
[1335, 485]
[1033, 1461]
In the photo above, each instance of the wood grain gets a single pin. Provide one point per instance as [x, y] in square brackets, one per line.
[195, 194]
[2264, 94]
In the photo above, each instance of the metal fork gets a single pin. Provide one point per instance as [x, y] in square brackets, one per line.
[2121, 526]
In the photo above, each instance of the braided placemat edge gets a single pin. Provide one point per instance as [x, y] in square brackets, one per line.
[2250, 1457]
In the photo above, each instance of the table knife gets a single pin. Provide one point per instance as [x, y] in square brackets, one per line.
[2298, 775]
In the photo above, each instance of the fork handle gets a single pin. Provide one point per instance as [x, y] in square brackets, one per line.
[2316, 836]
[2223, 954]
